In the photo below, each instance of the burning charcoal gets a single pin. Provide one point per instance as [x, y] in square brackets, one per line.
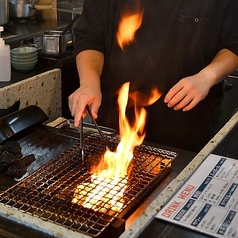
[27, 160]
[19, 155]
[12, 147]
[17, 170]
[1, 149]
[8, 159]
[2, 168]
[4, 153]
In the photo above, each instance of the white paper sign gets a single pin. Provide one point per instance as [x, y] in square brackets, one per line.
[208, 201]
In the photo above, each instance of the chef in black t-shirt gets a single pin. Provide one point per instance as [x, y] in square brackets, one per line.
[183, 48]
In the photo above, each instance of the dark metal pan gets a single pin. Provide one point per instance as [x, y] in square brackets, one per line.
[20, 120]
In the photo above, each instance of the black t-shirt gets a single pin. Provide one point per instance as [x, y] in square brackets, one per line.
[177, 38]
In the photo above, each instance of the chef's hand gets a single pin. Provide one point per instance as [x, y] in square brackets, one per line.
[188, 92]
[83, 96]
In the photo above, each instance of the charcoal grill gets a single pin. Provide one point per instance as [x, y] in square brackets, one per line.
[47, 193]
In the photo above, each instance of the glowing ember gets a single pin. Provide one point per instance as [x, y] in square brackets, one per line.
[102, 194]
[109, 177]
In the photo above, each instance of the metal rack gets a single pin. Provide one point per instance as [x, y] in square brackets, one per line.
[66, 10]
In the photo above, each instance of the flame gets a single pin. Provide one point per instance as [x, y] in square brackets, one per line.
[143, 100]
[128, 25]
[109, 178]
[115, 164]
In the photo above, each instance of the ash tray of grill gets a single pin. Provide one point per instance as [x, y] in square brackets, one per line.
[89, 128]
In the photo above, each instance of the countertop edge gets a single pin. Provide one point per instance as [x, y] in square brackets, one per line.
[11, 83]
[36, 223]
[149, 214]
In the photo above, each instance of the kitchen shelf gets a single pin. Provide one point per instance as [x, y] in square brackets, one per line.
[70, 7]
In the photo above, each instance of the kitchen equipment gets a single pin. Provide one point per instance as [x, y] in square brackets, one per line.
[24, 57]
[81, 140]
[26, 8]
[4, 12]
[24, 51]
[54, 42]
[24, 66]
[44, 7]
[47, 193]
[20, 120]
[98, 128]
[21, 8]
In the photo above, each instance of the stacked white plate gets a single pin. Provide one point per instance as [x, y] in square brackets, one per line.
[24, 57]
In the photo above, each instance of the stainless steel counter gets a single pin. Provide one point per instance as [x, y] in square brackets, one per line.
[18, 31]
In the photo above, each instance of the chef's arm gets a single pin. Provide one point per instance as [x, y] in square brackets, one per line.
[224, 63]
[189, 91]
[89, 65]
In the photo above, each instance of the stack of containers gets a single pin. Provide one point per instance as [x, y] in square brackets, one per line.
[24, 58]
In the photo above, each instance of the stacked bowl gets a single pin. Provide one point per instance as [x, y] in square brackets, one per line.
[24, 58]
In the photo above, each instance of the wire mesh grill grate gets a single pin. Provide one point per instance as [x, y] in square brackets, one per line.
[48, 192]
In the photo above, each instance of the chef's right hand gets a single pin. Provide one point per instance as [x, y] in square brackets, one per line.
[84, 95]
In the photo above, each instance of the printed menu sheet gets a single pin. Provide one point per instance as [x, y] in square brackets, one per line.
[208, 201]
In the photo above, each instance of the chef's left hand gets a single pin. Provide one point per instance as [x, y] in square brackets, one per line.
[187, 93]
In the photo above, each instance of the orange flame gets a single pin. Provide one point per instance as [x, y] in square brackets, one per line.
[109, 177]
[128, 25]
[114, 164]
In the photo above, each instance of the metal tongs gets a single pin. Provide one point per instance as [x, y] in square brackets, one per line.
[98, 128]
[81, 140]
